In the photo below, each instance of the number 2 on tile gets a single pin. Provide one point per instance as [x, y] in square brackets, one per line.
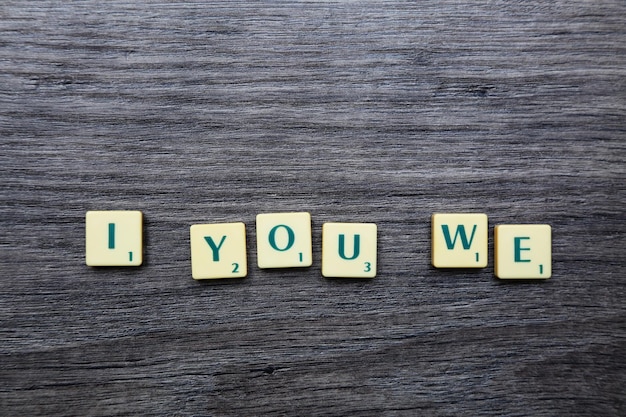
[235, 267]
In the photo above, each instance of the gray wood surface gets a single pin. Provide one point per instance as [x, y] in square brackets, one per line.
[380, 112]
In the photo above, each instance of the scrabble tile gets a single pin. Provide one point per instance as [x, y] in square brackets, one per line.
[218, 250]
[349, 250]
[113, 238]
[459, 240]
[523, 251]
[284, 240]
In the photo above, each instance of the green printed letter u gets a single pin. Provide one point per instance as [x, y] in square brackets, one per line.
[342, 247]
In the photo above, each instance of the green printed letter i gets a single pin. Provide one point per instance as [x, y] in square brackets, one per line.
[111, 235]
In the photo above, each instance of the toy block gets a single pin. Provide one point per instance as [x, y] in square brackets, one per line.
[284, 240]
[218, 251]
[523, 251]
[349, 250]
[459, 240]
[113, 238]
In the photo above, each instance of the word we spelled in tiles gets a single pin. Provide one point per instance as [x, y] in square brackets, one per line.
[349, 250]
[522, 251]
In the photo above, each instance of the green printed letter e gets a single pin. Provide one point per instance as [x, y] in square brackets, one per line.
[517, 248]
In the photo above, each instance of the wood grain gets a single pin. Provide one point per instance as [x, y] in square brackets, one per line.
[381, 112]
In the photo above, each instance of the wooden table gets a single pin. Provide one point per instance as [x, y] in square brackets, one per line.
[382, 112]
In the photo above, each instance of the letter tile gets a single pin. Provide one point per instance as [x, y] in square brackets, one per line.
[459, 240]
[523, 251]
[114, 238]
[218, 251]
[284, 240]
[349, 250]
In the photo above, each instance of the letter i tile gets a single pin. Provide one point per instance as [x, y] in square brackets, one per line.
[114, 238]
[349, 250]
[523, 251]
[218, 251]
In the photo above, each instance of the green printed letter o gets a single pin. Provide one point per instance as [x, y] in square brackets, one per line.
[291, 237]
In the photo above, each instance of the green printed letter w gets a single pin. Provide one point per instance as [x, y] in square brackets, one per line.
[460, 232]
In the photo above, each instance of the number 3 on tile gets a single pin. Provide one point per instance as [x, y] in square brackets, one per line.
[368, 267]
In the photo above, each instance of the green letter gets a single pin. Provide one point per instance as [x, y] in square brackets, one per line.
[460, 231]
[215, 249]
[342, 247]
[518, 249]
[111, 235]
[291, 238]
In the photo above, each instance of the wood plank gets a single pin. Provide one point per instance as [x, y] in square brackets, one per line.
[381, 112]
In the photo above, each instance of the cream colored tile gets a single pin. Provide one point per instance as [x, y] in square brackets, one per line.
[523, 251]
[459, 240]
[113, 238]
[218, 250]
[284, 240]
[349, 250]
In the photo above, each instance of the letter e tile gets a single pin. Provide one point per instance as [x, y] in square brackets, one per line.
[523, 251]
